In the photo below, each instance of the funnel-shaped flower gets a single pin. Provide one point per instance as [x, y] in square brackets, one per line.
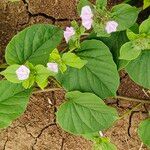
[52, 67]
[86, 16]
[23, 73]
[111, 26]
[68, 33]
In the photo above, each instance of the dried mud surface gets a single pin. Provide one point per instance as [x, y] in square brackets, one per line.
[37, 128]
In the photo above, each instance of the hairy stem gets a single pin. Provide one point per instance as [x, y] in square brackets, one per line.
[133, 99]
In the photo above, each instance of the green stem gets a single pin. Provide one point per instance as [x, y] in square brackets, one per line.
[47, 90]
[129, 112]
[85, 34]
[133, 99]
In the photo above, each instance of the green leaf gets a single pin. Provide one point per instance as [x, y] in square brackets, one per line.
[133, 32]
[63, 67]
[139, 69]
[29, 82]
[145, 27]
[13, 102]
[123, 64]
[42, 75]
[33, 44]
[101, 4]
[10, 73]
[129, 52]
[114, 42]
[144, 132]
[73, 60]
[55, 57]
[103, 144]
[131, 35]
[142, 43]
[85, 113]
[125, 15]
[98, 76]
[146, 4]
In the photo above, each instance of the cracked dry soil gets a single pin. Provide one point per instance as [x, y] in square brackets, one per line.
[37, 128]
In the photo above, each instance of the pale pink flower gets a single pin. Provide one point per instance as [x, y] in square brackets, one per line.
[87, 23]
[23, 73]
[52, 67]
[86, 13]
[86, 16]
[68, 33]
[111, 26]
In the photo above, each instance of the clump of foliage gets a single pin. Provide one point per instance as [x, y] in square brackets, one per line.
[87, 70]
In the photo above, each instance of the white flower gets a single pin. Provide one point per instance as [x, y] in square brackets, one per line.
[86, 16]
[68, 33]
[52, 67]
[23, 73]
[111, 26]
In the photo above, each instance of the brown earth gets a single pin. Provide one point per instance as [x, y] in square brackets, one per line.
[37, 128]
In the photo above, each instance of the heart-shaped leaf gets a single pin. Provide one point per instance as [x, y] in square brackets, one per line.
[114, 42]
[73, 60]
[129, 52]
[139, 69]
[145, 27]
[125, 15]
[13, 101]
[10, 73]
[33, 44]
[98, 76]
[85, 113]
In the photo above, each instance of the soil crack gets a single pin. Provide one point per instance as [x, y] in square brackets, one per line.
[30, 14]
[62, 144]
[4, 148]
[130, 119]
[41, 132]
[130, 122]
